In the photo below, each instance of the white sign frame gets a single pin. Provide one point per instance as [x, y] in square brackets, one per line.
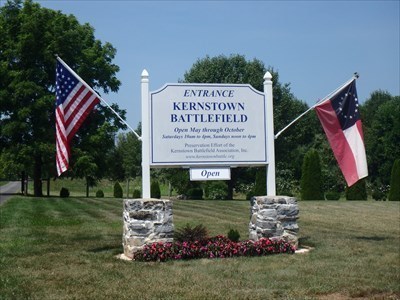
[207, 125]
[145, 138]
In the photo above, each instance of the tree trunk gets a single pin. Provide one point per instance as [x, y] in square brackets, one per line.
[23, 183]
[87, 187]
[37, 177]
[231, 183]
[48, 186]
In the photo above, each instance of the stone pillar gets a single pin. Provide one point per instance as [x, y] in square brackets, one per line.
[274, 217]
[146, 221]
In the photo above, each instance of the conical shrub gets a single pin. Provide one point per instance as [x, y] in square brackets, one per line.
[311, 177]
[394, 193]
[117, 190]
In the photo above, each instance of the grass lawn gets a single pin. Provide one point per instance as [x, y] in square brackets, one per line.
[53, 248]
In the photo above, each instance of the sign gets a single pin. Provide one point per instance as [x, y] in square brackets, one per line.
[207, 124]
[210, 174]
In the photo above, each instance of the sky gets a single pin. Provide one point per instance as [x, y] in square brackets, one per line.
[314, 45]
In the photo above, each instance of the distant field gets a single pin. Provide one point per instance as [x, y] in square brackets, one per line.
[77, 187]
[52, 248]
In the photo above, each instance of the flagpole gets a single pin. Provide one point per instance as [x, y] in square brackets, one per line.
[355, 76]
[94, 92]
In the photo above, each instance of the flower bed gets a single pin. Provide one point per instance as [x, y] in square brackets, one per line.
[215, 247]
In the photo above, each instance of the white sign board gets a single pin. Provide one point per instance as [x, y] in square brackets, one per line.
[207, 124]
[210, 174]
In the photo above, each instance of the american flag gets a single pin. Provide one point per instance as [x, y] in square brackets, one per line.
[74, 101]
[340, 117]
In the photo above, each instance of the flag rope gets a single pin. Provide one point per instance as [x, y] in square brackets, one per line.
[355, 76]
[94, 92]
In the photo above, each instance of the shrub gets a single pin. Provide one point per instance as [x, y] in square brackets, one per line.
[191, 234]
[100, 194]
[285, 182]
[233, 235]
[311, 181]
[136, 194]
[155, 191]
[332, 195]
[260, 186]
[357, 191]
[250, 195]
[394, 192]
[216, 190]
[195, 193]
[215, 247]
[64, 192]
[117, 190]
[379, 193]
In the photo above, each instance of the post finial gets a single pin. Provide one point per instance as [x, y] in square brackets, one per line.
[267, 76]
[145, 73]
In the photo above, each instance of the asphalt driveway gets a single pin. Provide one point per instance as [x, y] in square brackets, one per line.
[10, 189]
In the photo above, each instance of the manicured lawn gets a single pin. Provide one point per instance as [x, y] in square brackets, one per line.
[52, 248]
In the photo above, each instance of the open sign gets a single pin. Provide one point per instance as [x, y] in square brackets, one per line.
[210, 174]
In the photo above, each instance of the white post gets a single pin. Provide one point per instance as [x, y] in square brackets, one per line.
[145, 136]
[271, 186]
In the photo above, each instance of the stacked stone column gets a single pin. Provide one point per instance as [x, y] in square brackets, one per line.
[146, 221]
[274, 217]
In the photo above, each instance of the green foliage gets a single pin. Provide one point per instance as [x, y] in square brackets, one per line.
[216, 190]
[223, 69]
[136, 194]
[191, 234]
[332, 195]
[179, 179]
[250, 195]
[357, 191]
[233, 235]
[394, 193]
[260, 187]
[238, 70]
[100, 194]
[64, 193]
[118, 193]
[155, 190]
[381, 120]
[286, 184]
[378, 195]
[311, 181]
[127, 156]
[195, 193]
[30, 37]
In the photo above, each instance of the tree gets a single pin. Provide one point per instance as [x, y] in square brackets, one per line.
[311, 181]
[394, 193]
[381, 120]
[127, 156]
[30, 36]
[86, 168]
[223, 69]
[236, 69]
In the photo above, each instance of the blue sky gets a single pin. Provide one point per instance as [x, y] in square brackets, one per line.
[314, 45]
